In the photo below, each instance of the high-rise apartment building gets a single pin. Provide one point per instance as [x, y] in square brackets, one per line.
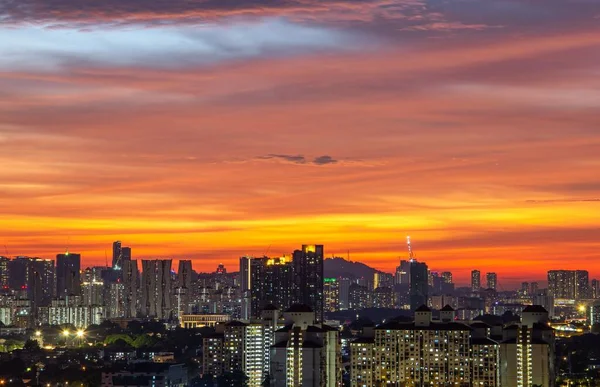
[534, 288]
[424, 352]
[595, 289]
[130, 288]
[246, 286]
[359, 297]
[115, 305]
[475, 281]
[68, 281]
[243, 346]
[582, 284]
[383, 297]
[381, 279]
[344, 284]
[4, 262]
[92, 286]
[419, 284]
[306, 353]
[183, 287]
[331, 290]
[308, 272]
[157, 290]
[568, 284]
[527, 351]
[492, 280]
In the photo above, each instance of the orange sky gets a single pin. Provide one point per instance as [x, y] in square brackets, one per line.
[205, 131]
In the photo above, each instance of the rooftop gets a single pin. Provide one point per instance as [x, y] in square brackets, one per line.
[535, 309]
[299, 308]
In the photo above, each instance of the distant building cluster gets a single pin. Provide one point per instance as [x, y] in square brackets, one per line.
[283, 321]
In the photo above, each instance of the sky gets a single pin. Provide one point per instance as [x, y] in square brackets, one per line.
[212, 129]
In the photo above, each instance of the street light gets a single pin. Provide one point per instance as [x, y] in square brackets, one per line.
[80, 333]
[65, 333]
[38, 333]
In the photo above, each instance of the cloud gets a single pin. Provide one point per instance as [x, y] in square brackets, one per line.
[323, 160]
[40, 48]
[300, 159]
[566, 200]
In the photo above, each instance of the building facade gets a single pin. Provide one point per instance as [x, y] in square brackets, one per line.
[308, 272]
[157, 290]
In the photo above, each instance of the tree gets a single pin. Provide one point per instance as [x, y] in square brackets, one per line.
[120, 339]
[144, 341]
[31, 345]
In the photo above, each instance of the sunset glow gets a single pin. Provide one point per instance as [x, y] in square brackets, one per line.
[206, 131]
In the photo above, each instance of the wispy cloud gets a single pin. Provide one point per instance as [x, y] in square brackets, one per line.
[565, 200]
[300, 159]
[39, 48]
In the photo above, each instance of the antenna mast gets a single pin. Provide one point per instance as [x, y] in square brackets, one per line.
[411, 255]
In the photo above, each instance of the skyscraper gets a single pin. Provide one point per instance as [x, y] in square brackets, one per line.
[272, 283]
[130, 288]
[156, 288]
[308, 271]
[492, 280]
[419, 285]
[67, 275]
[475, 280]
[246, 286]
[120, 254]
[17, 273]
[403, 273]
[125, 254]
[116, 253]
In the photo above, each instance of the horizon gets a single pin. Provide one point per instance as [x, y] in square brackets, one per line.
[211, 130]
[503, 285]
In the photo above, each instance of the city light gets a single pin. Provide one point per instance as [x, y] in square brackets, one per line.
[581, 308]
[38, 333]
[65, 333]
[80, 333]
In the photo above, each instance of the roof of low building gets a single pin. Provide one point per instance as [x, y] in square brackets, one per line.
[433, 326]
[299, 308]
[535, 309]
[423, 308]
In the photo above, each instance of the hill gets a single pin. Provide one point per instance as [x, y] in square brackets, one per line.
[339, 267]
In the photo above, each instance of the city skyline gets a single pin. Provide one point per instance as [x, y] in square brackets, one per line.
[208, 131]
[473, 280]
